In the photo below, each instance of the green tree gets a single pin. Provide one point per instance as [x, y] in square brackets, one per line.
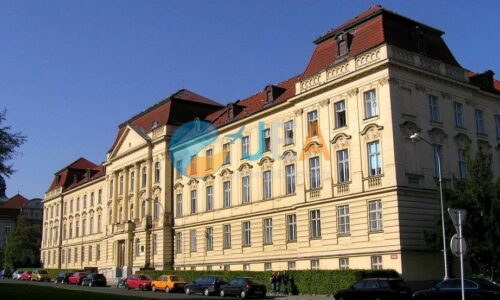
[23, 246]
[479, 194]
[9, 141]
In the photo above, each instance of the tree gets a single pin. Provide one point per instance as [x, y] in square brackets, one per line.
[23, 246]
[9, 141]
[479, 194]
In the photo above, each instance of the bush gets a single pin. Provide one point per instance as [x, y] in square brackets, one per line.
[54, 272]
[323, 282]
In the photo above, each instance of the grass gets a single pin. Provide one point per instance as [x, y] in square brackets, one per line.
[32, 292]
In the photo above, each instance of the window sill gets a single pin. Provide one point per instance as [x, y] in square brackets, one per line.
[340, 235]
[315, 238]
[268, 244]
[340, 127]
[291, 242]
[435, 122]
[289, 145]
[370, 118]
[246, 246]
[376, 231]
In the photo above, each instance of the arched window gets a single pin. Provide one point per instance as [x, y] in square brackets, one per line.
[144, 177]
[156, 209]
[143, 209]
[157, 172]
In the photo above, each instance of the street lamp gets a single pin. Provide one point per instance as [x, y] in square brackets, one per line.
[416, 138]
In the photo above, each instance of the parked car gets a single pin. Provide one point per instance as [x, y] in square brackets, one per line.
[206, 285]
[63, 277]
[168, 283]
[243, 287]
[5, 273]
[141, 282]
[26, 275]
[40, 275]
[474, 288]
[94, 279]
[376, 288]
[17, 274]
[77, 278]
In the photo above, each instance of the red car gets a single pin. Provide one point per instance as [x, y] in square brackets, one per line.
[77, 278]
[26, 275]
[141, 282]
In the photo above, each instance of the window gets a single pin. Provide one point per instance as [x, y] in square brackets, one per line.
[312, 123]
[291, 266]
[245, 189]
[76, 254]
[63, 256]
[111, 188]
[137, 247]
[144, 177]
[155, 243]
[110, 219]
[245, 147]
[64, 231]
[120, 215]
[247, 234]
[479, 121]
[227, 236]
[459, 121]
[374, 162]
[343, 165]
[131, 212]
[288, 132]
[267, 188]
[98, 252]
[92, 199]
[246, 267]
[156, 209]
[120, 189]
[342, 45]
[267, 140]
[78, 204]
[268, 266]
[157, 172]
[268, 231]
[194, 196]
[376, 262]
[433, 108]
[290, 179]
[99, 196]
[343, 219]
[178, 205]
[69, 256]
[437, 158]
[315, 224]
[314, 264]
[143, 209]
[132, 181]
[375, 215]
[70, 230]
[226, 153]
[370, 98]
[209, 159]
[462, 164]
[194, 165]
[90, 253]
[497, 123]
[291, 224]
[99, 223]
[178, 242]
[209, 233]
[314, 174]
[70, 208]
[82, 257]
[210, 198]
[227, 193]
[178, 169]
[77, 228]
[344, 263]
[91, 225]
[340, 114]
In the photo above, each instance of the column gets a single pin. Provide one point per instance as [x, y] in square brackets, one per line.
[125, 193]
[137, 189]
[114, 198]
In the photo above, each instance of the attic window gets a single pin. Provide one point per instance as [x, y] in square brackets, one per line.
[343, 44]
[269, 95]
[155, 124]
[417, 36]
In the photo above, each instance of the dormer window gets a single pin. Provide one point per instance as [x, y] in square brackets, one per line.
[155, 124]
[343, 44]
[269, 95]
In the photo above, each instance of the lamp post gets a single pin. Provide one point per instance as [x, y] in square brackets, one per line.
[416, 138]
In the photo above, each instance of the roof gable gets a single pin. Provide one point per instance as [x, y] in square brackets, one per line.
[132, 137]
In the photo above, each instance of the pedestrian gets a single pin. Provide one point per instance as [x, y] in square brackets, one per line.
[273, 283]
[285, 282]
[278, 283]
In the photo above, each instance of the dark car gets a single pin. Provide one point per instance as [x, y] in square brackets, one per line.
[139, 281]
[474, 288]
[206, 285]
[63, 277]
[243, 287]
[376, 288]
[94, 279]
[5, 273]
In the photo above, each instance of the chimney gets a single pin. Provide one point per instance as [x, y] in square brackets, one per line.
[484, 80]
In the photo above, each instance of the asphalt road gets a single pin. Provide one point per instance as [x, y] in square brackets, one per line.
[117, 291]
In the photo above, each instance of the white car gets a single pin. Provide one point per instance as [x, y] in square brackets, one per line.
[17, 274]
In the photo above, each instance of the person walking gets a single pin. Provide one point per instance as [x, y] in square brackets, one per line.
[278, 283]
[273, 283]
[285, 283]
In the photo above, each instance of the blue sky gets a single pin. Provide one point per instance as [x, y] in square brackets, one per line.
[72, 71]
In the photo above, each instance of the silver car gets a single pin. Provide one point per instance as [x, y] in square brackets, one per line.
[17, 274]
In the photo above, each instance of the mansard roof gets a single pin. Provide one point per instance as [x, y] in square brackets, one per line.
[76, 173]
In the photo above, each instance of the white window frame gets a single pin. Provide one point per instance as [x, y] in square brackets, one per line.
[290, 179]
[343, 166]
[375, 215]
[267, 188]
[289, 137]
[245, 189]
[247, 234]
[314, 173]
[374, 159]
[268, 231]
[370, 101]
[340, 114]
[227, 193]
[343, 220]
[291, 225]
[315, 224]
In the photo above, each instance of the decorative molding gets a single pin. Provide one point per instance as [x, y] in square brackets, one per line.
[437, 135]
[341, 141]
[371, 127]
[225, 172]
[352, 92]
[324, 102]
[408, 128]
[298, 112]
[244, 165]
[178, 186]
[462, 140]
[383, 81]
[312, 144]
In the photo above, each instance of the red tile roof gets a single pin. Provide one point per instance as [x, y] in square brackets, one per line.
[16, 202]
[76, 173]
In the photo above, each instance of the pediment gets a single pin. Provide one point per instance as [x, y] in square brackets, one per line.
[132, 137]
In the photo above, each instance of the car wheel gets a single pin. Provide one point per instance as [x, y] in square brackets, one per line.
[153, 288]
[243, 294]
[188, 291]
[222, 293]
[167, 290]
[206, 292]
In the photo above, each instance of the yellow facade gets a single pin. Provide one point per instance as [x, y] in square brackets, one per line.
[360, 193]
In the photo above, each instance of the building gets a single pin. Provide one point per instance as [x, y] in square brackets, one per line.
[14, 208]
[316, 172]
